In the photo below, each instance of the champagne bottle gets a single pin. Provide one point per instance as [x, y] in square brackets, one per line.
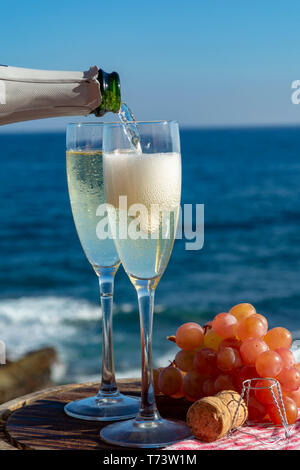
[27, 94]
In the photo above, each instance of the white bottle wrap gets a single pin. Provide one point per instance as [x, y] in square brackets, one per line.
[27, 94]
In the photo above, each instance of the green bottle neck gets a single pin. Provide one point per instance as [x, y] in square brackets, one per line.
[110, 93]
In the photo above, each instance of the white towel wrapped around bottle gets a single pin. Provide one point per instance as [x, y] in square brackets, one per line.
[27, 94]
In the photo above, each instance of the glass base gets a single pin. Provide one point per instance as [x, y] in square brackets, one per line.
[145, 434]
[104, 408]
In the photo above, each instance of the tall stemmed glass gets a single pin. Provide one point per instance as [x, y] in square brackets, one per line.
[143, 187]
[86, 191]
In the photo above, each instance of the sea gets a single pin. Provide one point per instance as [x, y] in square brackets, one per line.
[248, 180]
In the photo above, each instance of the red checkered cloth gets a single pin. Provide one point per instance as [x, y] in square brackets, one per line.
[258, 437]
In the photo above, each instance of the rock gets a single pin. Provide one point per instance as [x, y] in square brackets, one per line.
[30, 373]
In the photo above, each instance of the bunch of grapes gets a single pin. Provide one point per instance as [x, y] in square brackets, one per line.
[234, 347]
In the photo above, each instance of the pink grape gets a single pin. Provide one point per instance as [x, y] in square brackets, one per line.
[287, 357]
[170, 380]
[251, 348]
[189, 336]
[263, 391]
[289, 378]
[268, 364]
[241, 311]
[208, 387]
[224, 382]
[245, 373]
[228, 359]
[278, 338]
[262, 318]
[225, 325]
[193, 385]
[205, 362]
[256, 410]
[291, 411]
[251, 327]
[295, 395]
[184, 360]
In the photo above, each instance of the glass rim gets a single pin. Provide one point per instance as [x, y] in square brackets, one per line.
[115, 123]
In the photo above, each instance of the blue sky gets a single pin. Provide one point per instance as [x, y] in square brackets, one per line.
[202, 62]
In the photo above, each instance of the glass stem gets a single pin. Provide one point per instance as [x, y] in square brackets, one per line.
[108, 385]
[145, 291]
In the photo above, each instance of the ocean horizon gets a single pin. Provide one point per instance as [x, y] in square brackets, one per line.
[248, 179]
[26, 127]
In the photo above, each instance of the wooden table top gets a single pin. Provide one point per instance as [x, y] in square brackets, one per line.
[37, 421]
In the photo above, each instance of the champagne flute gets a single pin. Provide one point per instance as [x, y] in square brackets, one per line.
[143, 187]
[86, 191]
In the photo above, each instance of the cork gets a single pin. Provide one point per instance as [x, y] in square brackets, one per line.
[237, 407]
[209, 419]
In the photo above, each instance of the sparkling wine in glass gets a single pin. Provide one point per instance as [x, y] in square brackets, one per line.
[143, 188]
[86, 191]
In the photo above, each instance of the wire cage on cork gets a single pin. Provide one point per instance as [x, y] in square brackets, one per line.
[275, 390]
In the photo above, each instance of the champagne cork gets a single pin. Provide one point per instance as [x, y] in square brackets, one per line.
[209, 419]
[237, 407]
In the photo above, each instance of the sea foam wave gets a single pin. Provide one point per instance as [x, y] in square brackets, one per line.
[69, 325]
[28, 323]
[46, 309]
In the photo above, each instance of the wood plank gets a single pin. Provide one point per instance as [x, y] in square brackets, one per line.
[7, 408]
[37, 421]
